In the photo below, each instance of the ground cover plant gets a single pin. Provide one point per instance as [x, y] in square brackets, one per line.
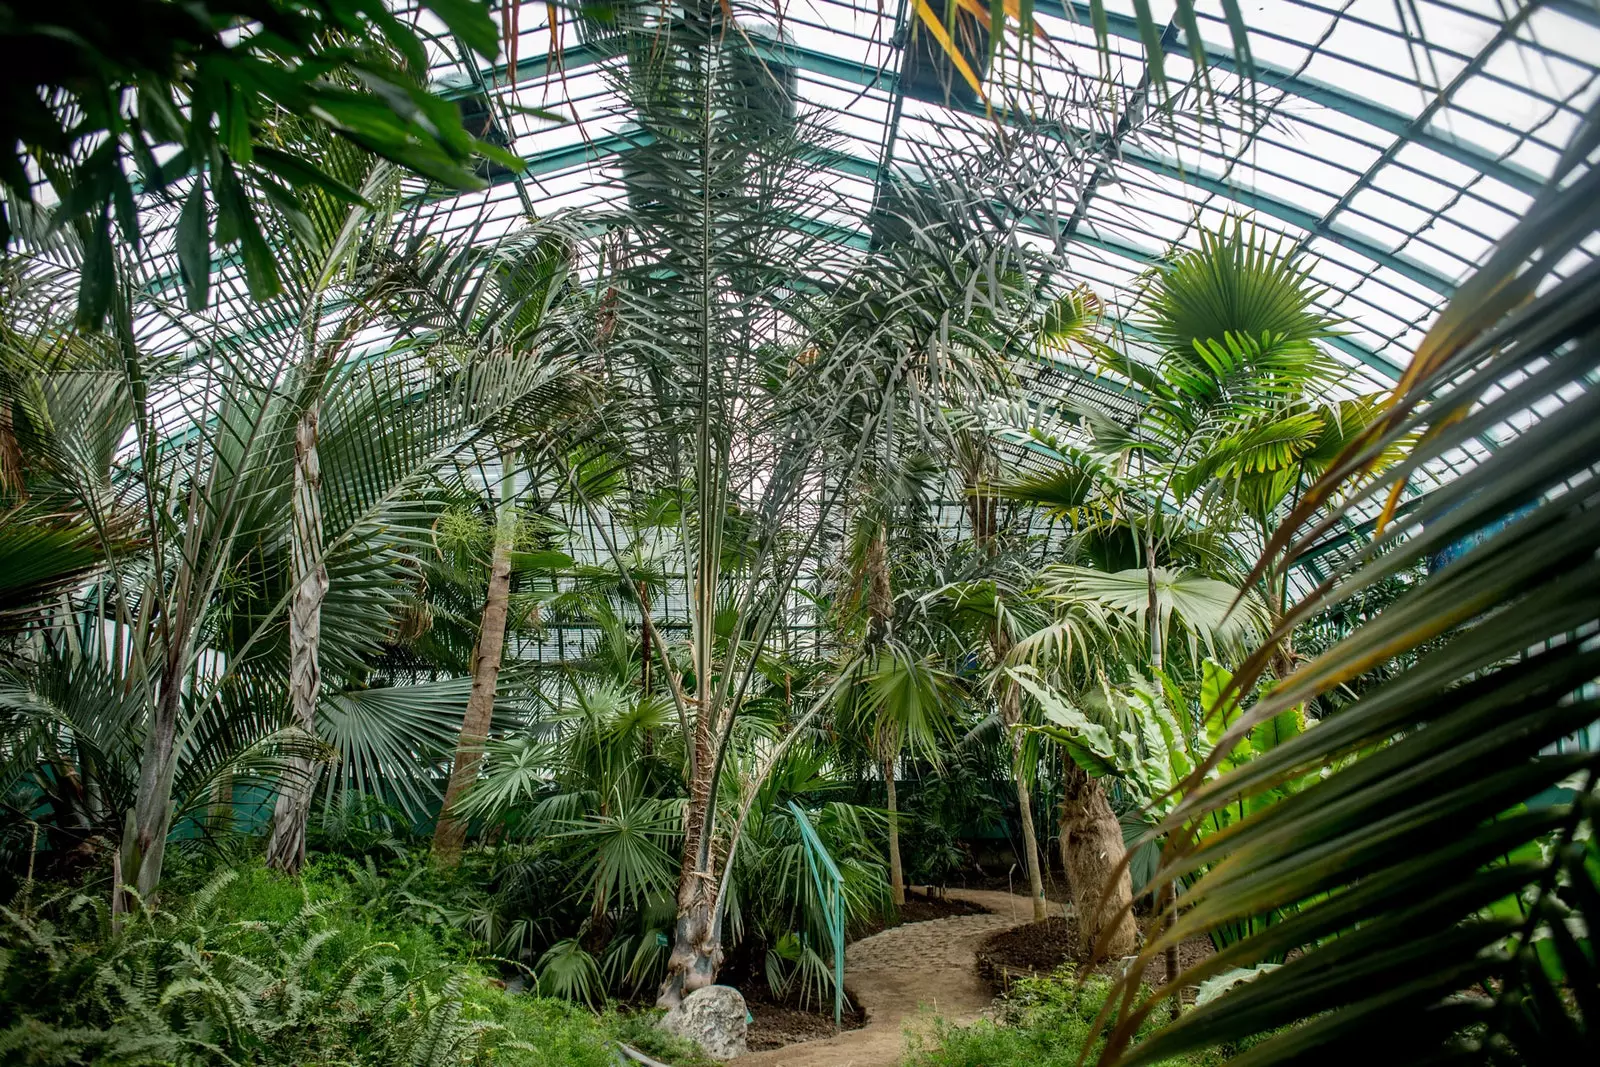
[1050, 1021]
[250, 966]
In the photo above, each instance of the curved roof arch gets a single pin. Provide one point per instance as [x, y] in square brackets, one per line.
[1393, 141]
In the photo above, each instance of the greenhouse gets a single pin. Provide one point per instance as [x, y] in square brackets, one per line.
[799, 532]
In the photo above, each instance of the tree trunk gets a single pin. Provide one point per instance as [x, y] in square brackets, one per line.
[880, 624]
[450, 834]
[897, 876]
[286, 849]
[1091, 850]
[144, 840]
[697, 944]
[1158, 662]
[1010, 702]
[983, 513]
[880, 595]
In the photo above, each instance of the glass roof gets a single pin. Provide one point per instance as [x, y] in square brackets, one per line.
[1393, 140]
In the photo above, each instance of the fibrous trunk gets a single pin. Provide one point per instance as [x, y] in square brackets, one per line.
[144, 839]
[286, 849]
[1091, 852]
[1011, 715]
[697, 939]
[450, 835]
[897, 876]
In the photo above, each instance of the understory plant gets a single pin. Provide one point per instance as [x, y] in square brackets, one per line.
[255, 968]
[1046, 1021]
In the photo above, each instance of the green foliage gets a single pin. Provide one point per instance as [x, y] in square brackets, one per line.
[252, 967]
[1044, 1022]
[103, 92]
[1235, 284]
[1440, 864]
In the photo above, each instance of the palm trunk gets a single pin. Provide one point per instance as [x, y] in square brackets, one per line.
[897, 876]
[1158, 663]
[880, 595]
[144, 840]
[983, 513]
[450, 834]
[880, 620]
[697, 945]
[286, 849]
[1091, 852]
[1011, 715]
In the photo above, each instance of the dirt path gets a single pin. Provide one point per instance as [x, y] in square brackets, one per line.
[896, 974]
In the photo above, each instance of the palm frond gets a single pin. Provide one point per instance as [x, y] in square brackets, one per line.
[1440, 863]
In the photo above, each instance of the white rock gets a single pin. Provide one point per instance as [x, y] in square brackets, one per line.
[715, 1018]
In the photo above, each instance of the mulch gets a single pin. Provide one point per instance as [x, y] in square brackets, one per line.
[920, 907]
[1051, 945]
[776, 1025]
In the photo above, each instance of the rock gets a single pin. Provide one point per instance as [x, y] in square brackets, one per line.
[715, 1018]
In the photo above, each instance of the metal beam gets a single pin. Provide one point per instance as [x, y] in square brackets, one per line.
[1294, 216]
[1123, 26]
[832, 66]
[1506, 32]
[596, 151]
[1287, 81]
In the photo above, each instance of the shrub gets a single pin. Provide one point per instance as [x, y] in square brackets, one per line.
[255, 968]
[1044, 1023]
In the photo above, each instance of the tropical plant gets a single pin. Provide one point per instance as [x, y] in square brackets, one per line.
[336, 246]
[1435, 880]
[197, 564]
[755, 399]
[900, 701]
[151, 96]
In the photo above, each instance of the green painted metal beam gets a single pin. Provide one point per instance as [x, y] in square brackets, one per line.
[832, 66]
[1384, 118]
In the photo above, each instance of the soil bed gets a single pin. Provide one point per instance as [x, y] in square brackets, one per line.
[776, 1026]
[918, 908]
[1044, 947]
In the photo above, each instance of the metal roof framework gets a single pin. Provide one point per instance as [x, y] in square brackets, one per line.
[1393, 141]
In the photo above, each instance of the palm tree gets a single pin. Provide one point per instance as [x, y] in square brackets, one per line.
[450, 832]
[1433, 879]
[513, 287]
[195, 561]
[1235, 327]
[328, 251]
[979, 464]
[756, 366]
[900, 701]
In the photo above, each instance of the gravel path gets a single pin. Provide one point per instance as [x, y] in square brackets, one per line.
[903, 977]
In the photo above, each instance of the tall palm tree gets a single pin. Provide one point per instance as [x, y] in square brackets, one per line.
[1236, 331]
[979, 464]
[328, 252]
[465, 305]
[756, 367]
